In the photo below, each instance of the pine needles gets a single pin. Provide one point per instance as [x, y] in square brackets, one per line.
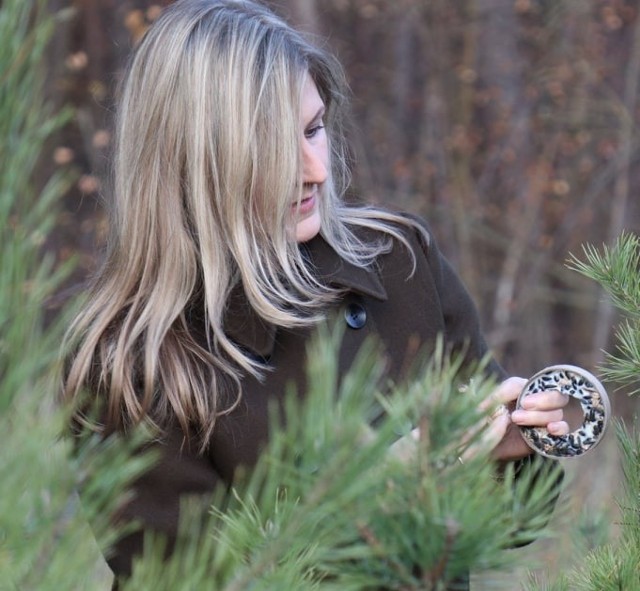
[330, 507]
[610, 566]
[44, 539]
[617, 270]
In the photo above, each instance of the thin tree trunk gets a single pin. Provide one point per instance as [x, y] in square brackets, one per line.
[502, 69]
[605, 312]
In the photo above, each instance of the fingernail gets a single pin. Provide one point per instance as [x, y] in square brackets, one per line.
[505, 418]
[528, 404]
[556, 428]
[518, 416]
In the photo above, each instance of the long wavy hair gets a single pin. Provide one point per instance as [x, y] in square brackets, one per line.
[206, 165]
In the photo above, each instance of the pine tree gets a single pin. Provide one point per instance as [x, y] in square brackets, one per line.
[43, 535]
[330, 507]
[616, 565]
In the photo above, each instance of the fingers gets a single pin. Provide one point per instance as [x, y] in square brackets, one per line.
[549, 400]
[496, 431]
[543, 409]
[558, 428]
[506, 392]
[536, 418]
[490, 438]
[553, 422]
[510, 389]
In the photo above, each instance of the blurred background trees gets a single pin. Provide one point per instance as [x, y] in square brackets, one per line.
[509, 124]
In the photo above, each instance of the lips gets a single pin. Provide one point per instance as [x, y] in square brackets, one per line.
[306, 205]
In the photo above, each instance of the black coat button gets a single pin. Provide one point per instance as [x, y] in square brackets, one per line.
[355, 315]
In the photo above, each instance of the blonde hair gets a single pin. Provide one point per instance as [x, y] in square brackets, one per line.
[207, 162]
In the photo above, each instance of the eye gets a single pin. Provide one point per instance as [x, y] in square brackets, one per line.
[313, 131]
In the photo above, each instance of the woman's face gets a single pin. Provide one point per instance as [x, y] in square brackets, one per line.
[315, 162]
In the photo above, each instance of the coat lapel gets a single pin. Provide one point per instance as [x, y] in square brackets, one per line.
[332, 270]
[246, 328]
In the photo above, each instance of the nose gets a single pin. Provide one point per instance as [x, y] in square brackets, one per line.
[314, 162]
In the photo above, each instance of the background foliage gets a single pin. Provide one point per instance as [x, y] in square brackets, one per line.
[510, 124]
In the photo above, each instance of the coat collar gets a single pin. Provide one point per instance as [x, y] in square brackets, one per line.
[245, 327]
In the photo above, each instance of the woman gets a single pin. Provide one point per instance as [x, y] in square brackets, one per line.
[231, 241]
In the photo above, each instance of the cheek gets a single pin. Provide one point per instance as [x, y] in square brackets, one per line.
[318, 157]
[309, 227]
[324, 152]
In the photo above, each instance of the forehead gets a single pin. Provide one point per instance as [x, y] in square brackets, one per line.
[310, 99]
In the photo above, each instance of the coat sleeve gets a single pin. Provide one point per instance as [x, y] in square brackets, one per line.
[464, 333]
[462, 324]
[156, 497]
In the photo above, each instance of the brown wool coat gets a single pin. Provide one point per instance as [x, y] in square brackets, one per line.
[406, 312]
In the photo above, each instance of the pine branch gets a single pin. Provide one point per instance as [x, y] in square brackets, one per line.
[623, 366]
[614, 567]
[45, 542]
[616, 270]
[329, 508]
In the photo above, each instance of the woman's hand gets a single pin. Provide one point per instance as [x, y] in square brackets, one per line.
[543, 409]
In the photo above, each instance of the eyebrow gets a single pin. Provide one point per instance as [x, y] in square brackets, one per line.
[319, 113]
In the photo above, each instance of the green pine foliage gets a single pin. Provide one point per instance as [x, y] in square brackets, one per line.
[615, 565]
[44, 540]
[330, 507]
[25, 213]
[617, 270]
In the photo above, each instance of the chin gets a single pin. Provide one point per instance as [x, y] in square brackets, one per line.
[308, 228]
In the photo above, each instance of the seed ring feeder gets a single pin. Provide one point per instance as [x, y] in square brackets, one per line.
[584, 387]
